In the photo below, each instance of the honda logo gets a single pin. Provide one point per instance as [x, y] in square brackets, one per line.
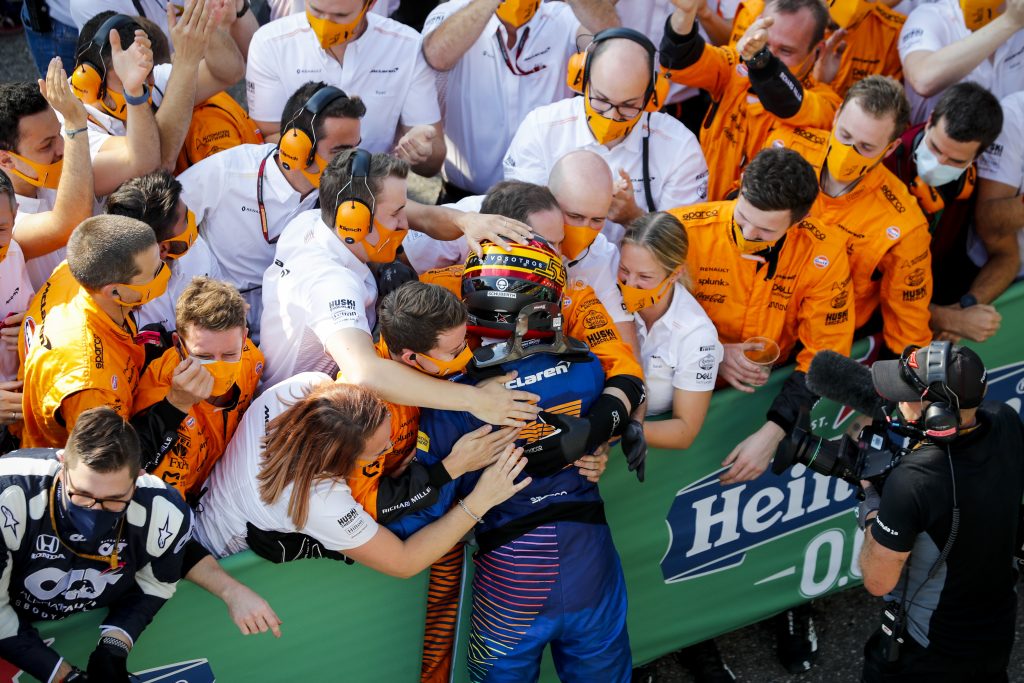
[47, 544]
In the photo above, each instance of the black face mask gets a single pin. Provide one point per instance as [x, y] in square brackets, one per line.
[92, 524]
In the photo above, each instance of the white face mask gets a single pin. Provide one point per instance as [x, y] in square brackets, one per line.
[931, 171]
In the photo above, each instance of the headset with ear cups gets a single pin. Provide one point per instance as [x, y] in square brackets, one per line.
[298, 143]
[89, 79]
[578, 73]
[941, 419]
[353, 219]
[931, 201]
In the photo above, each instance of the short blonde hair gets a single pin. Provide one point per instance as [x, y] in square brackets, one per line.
[211, 305]
[664, 236]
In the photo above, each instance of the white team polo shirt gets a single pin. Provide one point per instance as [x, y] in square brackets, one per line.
[197, 261]
[484, 102]
[15, 294]
[1003, 162]
[38, 268]
[678, 172]
[384, 66]
[233, 495]
[282, 8]
[154, 10]
[314, 288]
[933, 26]
[680, 351]
[221, 191]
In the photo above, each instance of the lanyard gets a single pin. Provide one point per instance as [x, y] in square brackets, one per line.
[259, 199]
[513, 65]
[111, 559]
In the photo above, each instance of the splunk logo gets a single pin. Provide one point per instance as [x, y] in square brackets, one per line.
[712, 527]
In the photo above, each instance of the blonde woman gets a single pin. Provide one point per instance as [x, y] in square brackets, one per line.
[284, 471]
[678, 342]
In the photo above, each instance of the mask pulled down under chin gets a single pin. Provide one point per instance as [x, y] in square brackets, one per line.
[748, 246]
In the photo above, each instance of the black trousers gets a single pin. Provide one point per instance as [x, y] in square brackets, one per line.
[917, 664]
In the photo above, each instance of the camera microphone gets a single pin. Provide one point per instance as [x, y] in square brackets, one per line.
[844, 381]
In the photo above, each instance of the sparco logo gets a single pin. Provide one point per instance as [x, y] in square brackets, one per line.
[697, 215]
[896, 203]
[713, 528]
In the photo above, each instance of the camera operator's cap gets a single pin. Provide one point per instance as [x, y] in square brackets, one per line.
[962, 384]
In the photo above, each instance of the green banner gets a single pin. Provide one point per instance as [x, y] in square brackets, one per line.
[716, 558]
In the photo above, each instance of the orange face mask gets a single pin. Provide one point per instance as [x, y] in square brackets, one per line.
[845, 163]
[330, 33]
[748, 246]
[449, 367]
[153, 289]
[637, 298]
[225, 374]
[577, 239]
[3, 251]
[388, 241]
[846, 13]
[186, 238]
[517, 12]
[978, 13]
[47, 175]
[604, 129]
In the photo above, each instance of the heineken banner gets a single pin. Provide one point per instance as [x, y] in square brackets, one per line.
[700, 559]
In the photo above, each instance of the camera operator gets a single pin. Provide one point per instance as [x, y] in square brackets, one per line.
[939, 541]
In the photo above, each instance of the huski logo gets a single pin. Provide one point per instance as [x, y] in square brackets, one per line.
[711, 528]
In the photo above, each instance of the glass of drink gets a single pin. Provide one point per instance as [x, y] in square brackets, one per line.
[764, 355]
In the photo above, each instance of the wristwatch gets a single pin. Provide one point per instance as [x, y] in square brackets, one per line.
[968, 300]
[760, 58]
[75, 675]
[141, 99]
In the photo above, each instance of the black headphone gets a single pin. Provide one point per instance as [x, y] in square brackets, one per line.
[89, 79]
[298, 139]
[941, 419]
[579, 66]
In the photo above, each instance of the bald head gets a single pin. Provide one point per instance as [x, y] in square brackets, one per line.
[582, 184]
[620, 71]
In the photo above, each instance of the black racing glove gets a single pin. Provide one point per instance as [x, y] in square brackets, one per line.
[634, 446]
[281, 547]
[564, 446]
[109, 661]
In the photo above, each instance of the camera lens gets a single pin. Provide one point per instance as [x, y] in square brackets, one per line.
[831, 458]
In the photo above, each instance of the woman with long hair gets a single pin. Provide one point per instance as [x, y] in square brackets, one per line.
[284, 471]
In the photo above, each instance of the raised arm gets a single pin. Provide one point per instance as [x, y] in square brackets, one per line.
[45, 232]
[444, 45]
[595, 15]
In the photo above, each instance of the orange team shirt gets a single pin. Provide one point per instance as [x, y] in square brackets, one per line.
[871, 44]
[586, 319]
[737, 124]
[76, 358]
[806, 298]
[218, 123]
[204, 433]
[405, 421]
[887, 240]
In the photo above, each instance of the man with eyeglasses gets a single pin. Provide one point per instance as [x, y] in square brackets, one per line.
[67, 546]
[656, 162]
[501, 59]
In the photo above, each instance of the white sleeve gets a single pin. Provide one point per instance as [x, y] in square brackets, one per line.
[698, 356]
[336, 519]
[97, 139]
[264, 90]
[333, 299]
[686, 180]
[924, 30]
[201, 187]
[438, 16]
[525, 157]
[420, 106]
[1003, 161]
[426, 253]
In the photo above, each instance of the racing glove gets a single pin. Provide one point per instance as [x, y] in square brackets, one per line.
[109, 661]
[564, 446]
[634, 446]
[281, 547]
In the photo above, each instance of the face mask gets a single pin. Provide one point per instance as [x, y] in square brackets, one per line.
[3, 251]
[604, 129]
[387, 245]
[225, 374]
[186, 238]
[748, 246]
[47, 175]
[846, 164]
[151, 290]
[931, 171]
[330, 33]
[92, 523]
[577, 238]
[314, 178]
[846, 13]
[517, 12]
[449, 367]
[637, 298]
[978, 13]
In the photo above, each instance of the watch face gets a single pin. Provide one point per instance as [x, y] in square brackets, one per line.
[968, 300]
